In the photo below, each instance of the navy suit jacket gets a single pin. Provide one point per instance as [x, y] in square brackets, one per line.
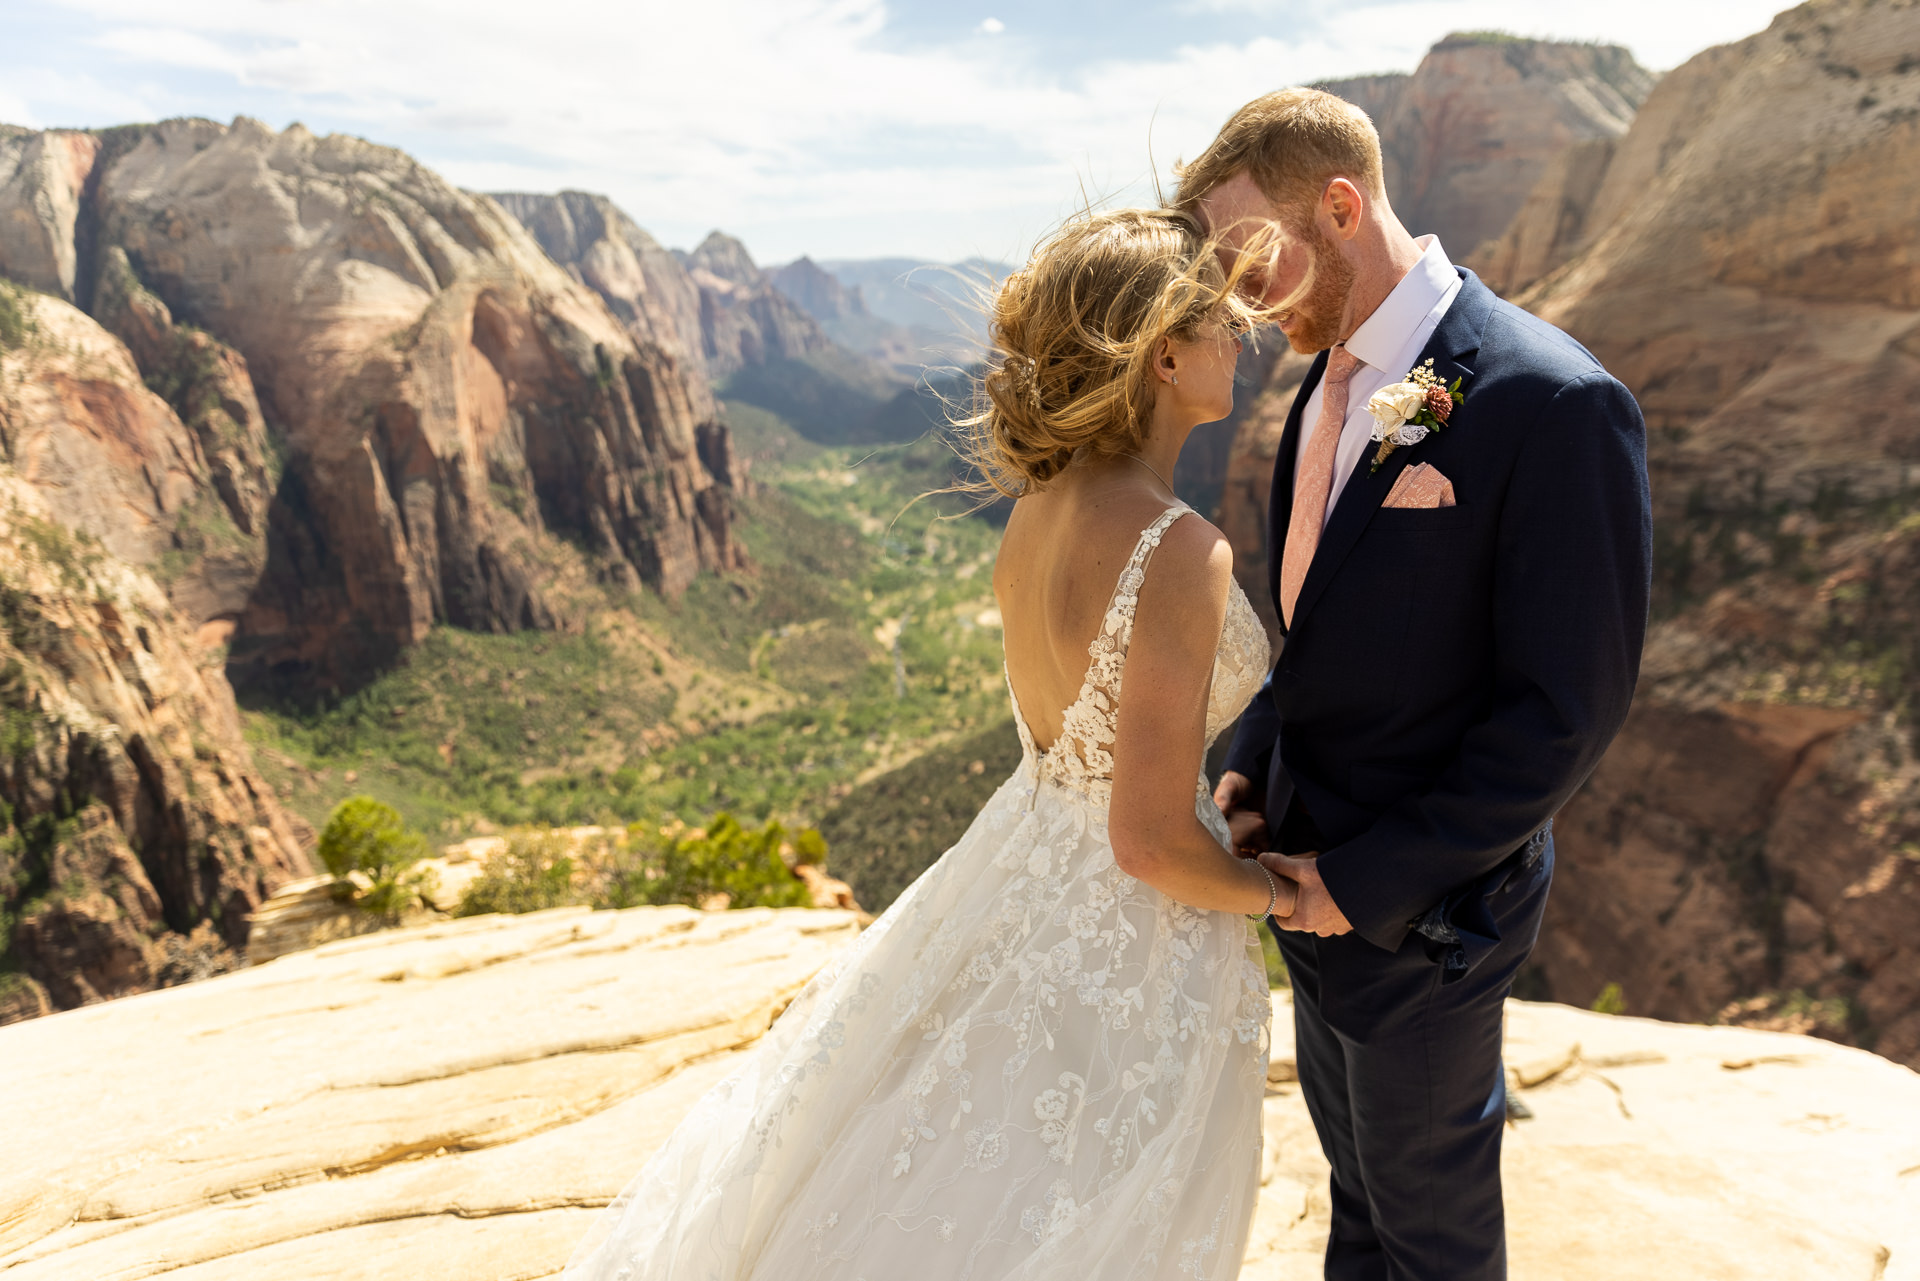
[1453, 675]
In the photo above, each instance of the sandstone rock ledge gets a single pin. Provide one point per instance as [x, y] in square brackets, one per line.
[453, 1102]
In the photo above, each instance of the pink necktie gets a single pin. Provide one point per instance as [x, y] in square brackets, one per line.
[1315, 484]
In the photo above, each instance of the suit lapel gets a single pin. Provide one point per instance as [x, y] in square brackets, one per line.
[1280, 499]
[1456, 337]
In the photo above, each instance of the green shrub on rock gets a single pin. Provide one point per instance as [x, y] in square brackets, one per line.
[720, 865]
[370, 838]
[533, 872]
[16, 316]
[678, 864]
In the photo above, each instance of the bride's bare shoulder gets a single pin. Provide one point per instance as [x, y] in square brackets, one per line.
[1193, 566]
[1105, 533]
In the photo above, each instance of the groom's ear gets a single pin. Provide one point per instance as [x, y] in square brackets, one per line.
[1343, 207]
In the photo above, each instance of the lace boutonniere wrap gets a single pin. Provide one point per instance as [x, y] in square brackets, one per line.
[1407, 412]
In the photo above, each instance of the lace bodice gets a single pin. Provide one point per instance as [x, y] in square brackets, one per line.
[1081, 759]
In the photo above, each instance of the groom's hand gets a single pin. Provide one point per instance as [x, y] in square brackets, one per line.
[1248, 825]
[1314, 911]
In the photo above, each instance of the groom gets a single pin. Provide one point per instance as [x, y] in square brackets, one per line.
[1464, 614]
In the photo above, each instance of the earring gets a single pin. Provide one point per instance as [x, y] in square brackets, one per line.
[1176, 380]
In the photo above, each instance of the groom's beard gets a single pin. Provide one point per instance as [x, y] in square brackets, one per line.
[1317, 315]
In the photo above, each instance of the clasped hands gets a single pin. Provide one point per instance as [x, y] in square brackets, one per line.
[1312, 909]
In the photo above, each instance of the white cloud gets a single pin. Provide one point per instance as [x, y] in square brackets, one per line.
[170, 47]
[15, 111]
[53, 98]
[991, 26]
[796, 123]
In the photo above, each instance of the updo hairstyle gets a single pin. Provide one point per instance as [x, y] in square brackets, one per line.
[1074, 334]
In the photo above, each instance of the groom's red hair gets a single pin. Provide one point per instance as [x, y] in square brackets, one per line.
[1292, 143]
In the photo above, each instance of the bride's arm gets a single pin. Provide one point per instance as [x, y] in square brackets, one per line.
[1161, 735]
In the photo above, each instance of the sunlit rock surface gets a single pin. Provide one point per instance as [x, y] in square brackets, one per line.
[454, 1103]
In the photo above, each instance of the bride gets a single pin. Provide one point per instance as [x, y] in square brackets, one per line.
[1047, 1059]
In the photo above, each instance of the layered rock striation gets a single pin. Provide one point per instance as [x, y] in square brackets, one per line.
[1466, 136]
[1747, 262]
[135, 835]
[460, 1100]
[642, 283]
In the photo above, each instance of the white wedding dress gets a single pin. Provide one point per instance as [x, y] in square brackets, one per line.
[1032, 1067]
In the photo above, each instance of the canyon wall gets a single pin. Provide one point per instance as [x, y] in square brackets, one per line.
[1751, 266]
[745, 319]
[843, 315]
[273, 405]
[1469, 133]
[642, 283]
[1748, 267]
[135, 834]
[736, 332]
[440, 393]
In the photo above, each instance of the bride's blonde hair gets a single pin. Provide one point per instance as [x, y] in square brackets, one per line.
[1074, 334]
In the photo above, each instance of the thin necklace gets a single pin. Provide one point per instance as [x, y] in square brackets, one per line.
[1150, 467]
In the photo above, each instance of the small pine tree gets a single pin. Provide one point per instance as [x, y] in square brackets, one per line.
[369, 837]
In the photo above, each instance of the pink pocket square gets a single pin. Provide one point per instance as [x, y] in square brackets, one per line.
[1420, 486]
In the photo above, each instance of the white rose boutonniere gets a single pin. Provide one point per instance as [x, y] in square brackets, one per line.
[1407, 412]
[1394, 404]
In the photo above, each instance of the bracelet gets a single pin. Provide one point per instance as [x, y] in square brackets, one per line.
[1273, 893]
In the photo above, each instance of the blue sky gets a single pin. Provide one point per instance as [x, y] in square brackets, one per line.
[839, 128]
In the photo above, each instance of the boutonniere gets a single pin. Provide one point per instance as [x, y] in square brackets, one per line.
[1404, 413]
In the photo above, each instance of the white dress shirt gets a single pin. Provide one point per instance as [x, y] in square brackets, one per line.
[1386, 344]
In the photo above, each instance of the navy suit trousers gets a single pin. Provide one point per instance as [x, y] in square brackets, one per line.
[1403, 1078]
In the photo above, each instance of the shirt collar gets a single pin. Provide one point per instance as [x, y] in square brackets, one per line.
[1382, 339]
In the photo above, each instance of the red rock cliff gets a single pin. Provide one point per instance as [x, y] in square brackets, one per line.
[323, 400]
[135, 835]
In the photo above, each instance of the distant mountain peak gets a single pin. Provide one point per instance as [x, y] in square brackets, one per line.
[818, 290]
[728, 259]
